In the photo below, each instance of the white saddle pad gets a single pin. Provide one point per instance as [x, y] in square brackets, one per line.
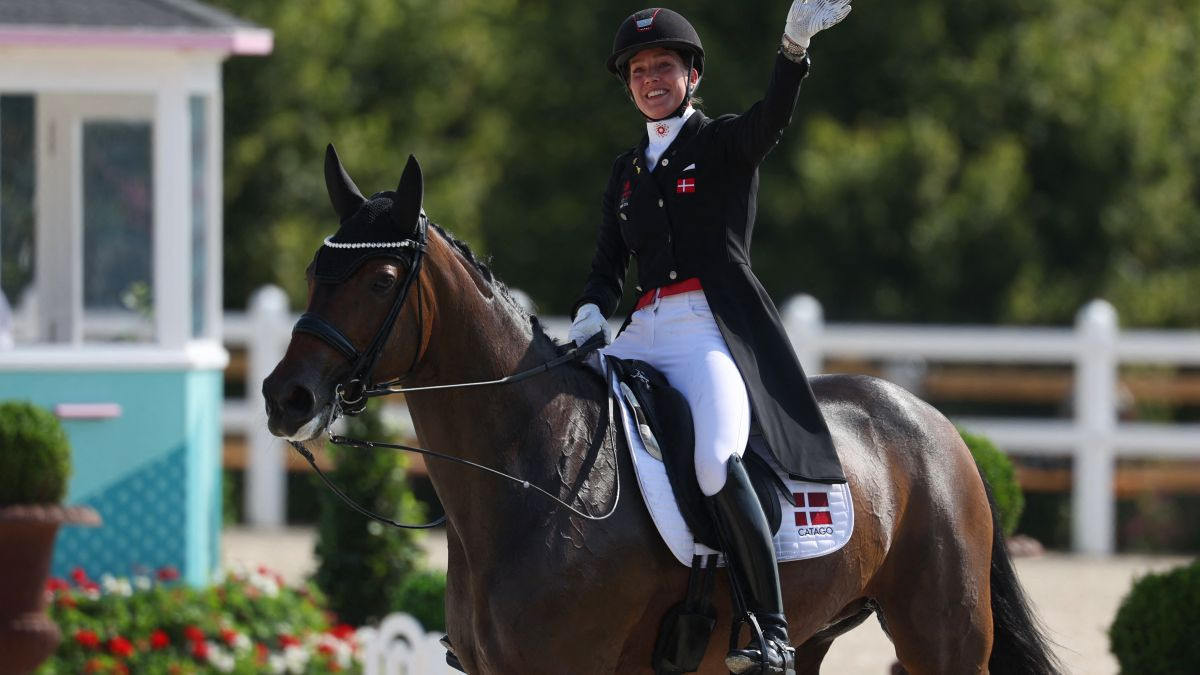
[819, 523]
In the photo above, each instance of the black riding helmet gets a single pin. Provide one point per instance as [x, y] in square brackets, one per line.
[656, 27]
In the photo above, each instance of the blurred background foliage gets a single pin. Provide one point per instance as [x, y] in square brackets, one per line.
[949, 161]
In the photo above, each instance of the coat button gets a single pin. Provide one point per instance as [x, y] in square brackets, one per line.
[660, 203]
[623, 217]
[672, 275]
[665, 162]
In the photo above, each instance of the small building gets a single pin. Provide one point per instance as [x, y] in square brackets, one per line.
[110, 262]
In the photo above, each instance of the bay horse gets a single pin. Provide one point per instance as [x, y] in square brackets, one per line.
[533, 588]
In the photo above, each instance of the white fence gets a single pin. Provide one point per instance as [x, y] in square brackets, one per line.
[1093, 437]
[400, 646]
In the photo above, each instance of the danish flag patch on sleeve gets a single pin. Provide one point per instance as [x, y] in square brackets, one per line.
[685, 185]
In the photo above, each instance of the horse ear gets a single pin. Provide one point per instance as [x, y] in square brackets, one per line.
[343, 193]
[410, 192]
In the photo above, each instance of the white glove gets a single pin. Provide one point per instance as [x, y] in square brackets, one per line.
[588, 322]
[808, 17]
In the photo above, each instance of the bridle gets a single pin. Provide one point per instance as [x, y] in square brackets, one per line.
[350, 397]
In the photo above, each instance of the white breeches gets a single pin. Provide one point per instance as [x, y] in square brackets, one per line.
[678, 335]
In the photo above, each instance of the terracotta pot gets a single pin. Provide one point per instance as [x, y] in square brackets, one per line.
[27, 635]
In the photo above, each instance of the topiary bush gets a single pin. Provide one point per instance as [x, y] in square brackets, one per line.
[363, 564]
[35, 455]
[999, 472]
[423, 595]
[1154, 632]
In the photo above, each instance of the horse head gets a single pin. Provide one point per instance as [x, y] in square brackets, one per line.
[357, 328]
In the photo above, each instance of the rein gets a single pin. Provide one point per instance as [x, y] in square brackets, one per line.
[351, 396]
[579, 352]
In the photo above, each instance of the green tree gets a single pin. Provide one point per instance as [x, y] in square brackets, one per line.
[948, 161]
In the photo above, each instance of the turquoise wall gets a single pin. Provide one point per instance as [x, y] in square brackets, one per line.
[154, 473]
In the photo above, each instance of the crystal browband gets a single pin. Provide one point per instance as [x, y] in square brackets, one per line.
[408, 243]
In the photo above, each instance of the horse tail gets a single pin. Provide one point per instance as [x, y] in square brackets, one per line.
[1019, 646]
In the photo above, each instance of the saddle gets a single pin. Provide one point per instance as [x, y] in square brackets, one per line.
[664, 423]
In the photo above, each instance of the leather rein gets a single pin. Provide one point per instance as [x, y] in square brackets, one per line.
[351, 396]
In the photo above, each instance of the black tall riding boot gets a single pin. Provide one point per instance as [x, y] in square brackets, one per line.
[750, 551]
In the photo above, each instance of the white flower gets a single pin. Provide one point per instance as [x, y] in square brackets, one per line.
[265, 584]
[142, 582]
[241, 642]
[296, 659]
[219, 658]
[277, 664]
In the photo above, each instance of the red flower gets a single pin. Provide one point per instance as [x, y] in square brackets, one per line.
[343, 632]
[119, 646]
[79, 575]
[87, 638]
[121, 669]
[200, 650]
[93, 666]
[194, 634]
[54, 584]
[168, 573]
[286, 640]
[159, 639]
[66, 601]
[325, 648]
[261, 651]
[228, 635]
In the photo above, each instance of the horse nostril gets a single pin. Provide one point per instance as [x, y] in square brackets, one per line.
[299, 402]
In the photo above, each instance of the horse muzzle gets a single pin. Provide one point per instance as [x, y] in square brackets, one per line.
[295, 410]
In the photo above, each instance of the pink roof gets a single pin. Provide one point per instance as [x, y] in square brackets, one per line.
[244, 41]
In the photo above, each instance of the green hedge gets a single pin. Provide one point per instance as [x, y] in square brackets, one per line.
[1155, 630]
[998, 470]
[35, 455]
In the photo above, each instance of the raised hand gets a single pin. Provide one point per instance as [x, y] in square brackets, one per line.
[806, 18]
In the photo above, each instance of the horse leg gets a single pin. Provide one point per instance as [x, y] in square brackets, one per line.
[935, 596]
[811, 653]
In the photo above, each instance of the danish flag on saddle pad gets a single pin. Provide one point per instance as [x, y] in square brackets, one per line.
[812, 508]
[685, 185]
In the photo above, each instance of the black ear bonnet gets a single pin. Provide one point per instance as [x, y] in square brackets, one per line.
[388, 225]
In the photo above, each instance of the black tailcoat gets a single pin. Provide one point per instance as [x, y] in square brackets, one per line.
[693, 217]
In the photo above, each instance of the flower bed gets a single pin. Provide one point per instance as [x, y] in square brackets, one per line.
[249, 621]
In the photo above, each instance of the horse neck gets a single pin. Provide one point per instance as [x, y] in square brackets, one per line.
[478, 335]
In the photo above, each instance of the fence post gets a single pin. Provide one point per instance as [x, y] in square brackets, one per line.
[804, 319]
[266, 473]
[1092, 499]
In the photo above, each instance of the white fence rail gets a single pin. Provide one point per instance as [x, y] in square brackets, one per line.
[1093, 437]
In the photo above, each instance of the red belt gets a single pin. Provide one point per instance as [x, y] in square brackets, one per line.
[676, 288]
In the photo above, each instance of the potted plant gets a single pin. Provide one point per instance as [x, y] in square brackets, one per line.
[35, 463]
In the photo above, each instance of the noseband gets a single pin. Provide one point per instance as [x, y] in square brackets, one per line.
[352, 395]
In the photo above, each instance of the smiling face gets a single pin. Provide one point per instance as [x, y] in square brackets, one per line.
[658, 81]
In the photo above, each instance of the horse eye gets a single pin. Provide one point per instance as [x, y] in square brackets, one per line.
[384, 282]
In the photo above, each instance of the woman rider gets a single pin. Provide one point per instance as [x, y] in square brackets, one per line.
[683, 202]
